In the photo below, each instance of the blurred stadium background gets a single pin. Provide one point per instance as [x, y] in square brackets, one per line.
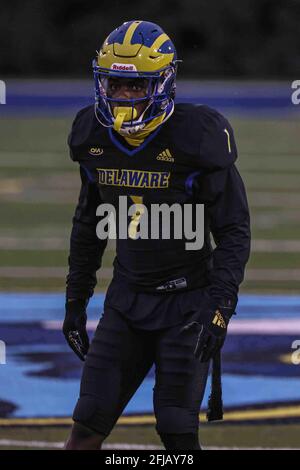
[241, 60]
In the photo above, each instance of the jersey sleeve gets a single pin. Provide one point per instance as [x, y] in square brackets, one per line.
[229, 222]
[86, 249]
[80, 133]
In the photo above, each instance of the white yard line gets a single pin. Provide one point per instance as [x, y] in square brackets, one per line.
[47, 272]
[123, 446]
[39, 444]
[272, 275]
[271, 246]
[257, 326]
[33, 243]
[60, 445]
[60, 243]
[287, 200]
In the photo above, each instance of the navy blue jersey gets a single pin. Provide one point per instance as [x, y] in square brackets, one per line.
[188, 160]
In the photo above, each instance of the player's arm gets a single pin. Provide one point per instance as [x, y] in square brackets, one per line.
[229, 221]
[226, 206]
[86, 251]
[230, 227]
[222, 191]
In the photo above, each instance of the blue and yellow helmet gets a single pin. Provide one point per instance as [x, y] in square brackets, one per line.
[136, 49]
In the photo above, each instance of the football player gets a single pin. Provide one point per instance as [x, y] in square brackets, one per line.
[166, 305]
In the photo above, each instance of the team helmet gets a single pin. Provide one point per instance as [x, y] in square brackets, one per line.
[136, 49]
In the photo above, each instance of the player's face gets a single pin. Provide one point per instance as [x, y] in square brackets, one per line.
[126, 89]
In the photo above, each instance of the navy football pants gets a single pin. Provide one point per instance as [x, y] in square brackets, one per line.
[118, 360]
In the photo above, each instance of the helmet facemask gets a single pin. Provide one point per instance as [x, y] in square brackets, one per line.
[125, 115]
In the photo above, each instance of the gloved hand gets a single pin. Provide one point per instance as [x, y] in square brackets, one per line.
[211, 325]
[74, 327]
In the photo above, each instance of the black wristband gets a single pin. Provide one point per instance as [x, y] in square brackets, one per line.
[227, 306]
[76, 306]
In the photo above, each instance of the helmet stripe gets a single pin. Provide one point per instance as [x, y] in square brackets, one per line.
[118, 34]
[159, 41]
[146, 33]
[129, 33]
[167, 48]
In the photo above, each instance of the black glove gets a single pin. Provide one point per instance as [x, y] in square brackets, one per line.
[211, 325]
[74, 327]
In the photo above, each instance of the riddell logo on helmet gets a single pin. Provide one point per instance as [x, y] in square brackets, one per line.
[123, 67]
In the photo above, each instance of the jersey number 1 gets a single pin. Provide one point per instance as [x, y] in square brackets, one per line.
[228, 140]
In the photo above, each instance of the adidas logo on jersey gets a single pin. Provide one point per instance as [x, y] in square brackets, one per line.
[219, 320]
[165, 156]
[96, 151]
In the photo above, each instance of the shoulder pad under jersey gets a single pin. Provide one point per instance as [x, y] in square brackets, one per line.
[206, 134]
[84, 128]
